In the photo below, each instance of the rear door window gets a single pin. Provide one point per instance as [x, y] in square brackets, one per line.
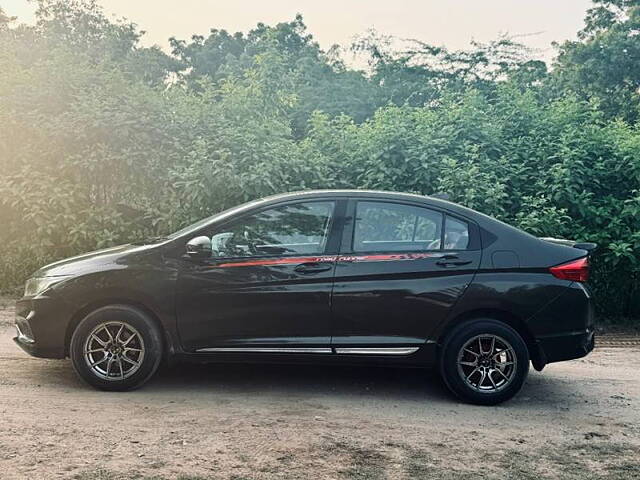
[394, 227]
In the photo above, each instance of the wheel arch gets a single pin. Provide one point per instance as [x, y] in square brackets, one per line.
[504, 316]
[80, 314]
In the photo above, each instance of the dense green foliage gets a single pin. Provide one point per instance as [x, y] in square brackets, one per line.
[103, 141]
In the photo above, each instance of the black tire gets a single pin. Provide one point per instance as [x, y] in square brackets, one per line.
[144, 344]
[493, 382]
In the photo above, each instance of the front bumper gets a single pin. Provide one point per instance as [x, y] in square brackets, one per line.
[36, 350]
[41, 326]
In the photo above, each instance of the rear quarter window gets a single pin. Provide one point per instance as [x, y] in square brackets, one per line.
[456, 234]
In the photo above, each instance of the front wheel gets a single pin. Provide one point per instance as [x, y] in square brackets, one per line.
[116, 348]
[484, 361]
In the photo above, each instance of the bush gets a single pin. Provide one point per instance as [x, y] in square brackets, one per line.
[103, 142]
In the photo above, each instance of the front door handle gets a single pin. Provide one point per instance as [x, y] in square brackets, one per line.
[452, 263]
[313, 267]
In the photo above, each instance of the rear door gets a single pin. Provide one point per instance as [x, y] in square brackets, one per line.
[401, 268]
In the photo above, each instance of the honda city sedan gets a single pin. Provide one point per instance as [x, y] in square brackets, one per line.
[351, 277]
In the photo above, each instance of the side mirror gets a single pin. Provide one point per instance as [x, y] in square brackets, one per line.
[199, 247]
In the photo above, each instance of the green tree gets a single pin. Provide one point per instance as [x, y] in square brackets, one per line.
[604, 63]
[420, 74]
[318, 81]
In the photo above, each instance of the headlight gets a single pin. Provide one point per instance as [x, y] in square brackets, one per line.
[36, 286]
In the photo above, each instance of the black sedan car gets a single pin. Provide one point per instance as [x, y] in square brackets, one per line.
[356, 277]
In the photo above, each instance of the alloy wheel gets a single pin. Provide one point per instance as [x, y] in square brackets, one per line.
[487, 363]
[114, 351]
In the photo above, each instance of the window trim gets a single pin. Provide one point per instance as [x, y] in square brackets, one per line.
[348, 233]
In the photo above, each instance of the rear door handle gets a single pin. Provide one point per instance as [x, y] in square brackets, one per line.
[313, 267]
[453, 263]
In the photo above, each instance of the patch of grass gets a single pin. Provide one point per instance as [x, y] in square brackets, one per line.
[625, 471]
[418, 463]
[595, 460]
[600, 449]
[363, 463]
[104, 474]
[574, 462]
[598, 459]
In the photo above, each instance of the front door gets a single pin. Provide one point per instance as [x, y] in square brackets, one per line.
[267, 285]
[401, 269]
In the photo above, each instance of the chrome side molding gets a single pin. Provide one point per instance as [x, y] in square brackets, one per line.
[377, 350]
[339, 351]
[265, 350]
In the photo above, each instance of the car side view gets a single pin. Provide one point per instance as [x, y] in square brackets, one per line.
[342, 276]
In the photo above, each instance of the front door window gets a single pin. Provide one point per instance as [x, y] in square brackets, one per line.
[293, 229]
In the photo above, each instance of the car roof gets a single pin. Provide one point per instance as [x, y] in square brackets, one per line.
[343, 193]
[378, 194]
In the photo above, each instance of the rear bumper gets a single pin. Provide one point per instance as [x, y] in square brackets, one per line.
[565, 346]
[564, 328]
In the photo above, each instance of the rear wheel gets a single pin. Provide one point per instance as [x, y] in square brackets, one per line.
[115, 348]
[484, 361]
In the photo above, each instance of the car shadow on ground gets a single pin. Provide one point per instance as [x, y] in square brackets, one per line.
[303, 379]
[308, 381]
[376, 382]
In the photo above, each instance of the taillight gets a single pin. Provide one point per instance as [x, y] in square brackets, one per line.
[576, 270]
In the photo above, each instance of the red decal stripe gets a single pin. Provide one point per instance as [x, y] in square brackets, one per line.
[277, 261]
[327, 258]
[384, 257]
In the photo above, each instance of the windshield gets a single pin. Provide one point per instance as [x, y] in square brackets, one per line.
[205, 221]
[193, 226]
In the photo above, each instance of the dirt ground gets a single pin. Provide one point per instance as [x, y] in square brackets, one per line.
[576, 420]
